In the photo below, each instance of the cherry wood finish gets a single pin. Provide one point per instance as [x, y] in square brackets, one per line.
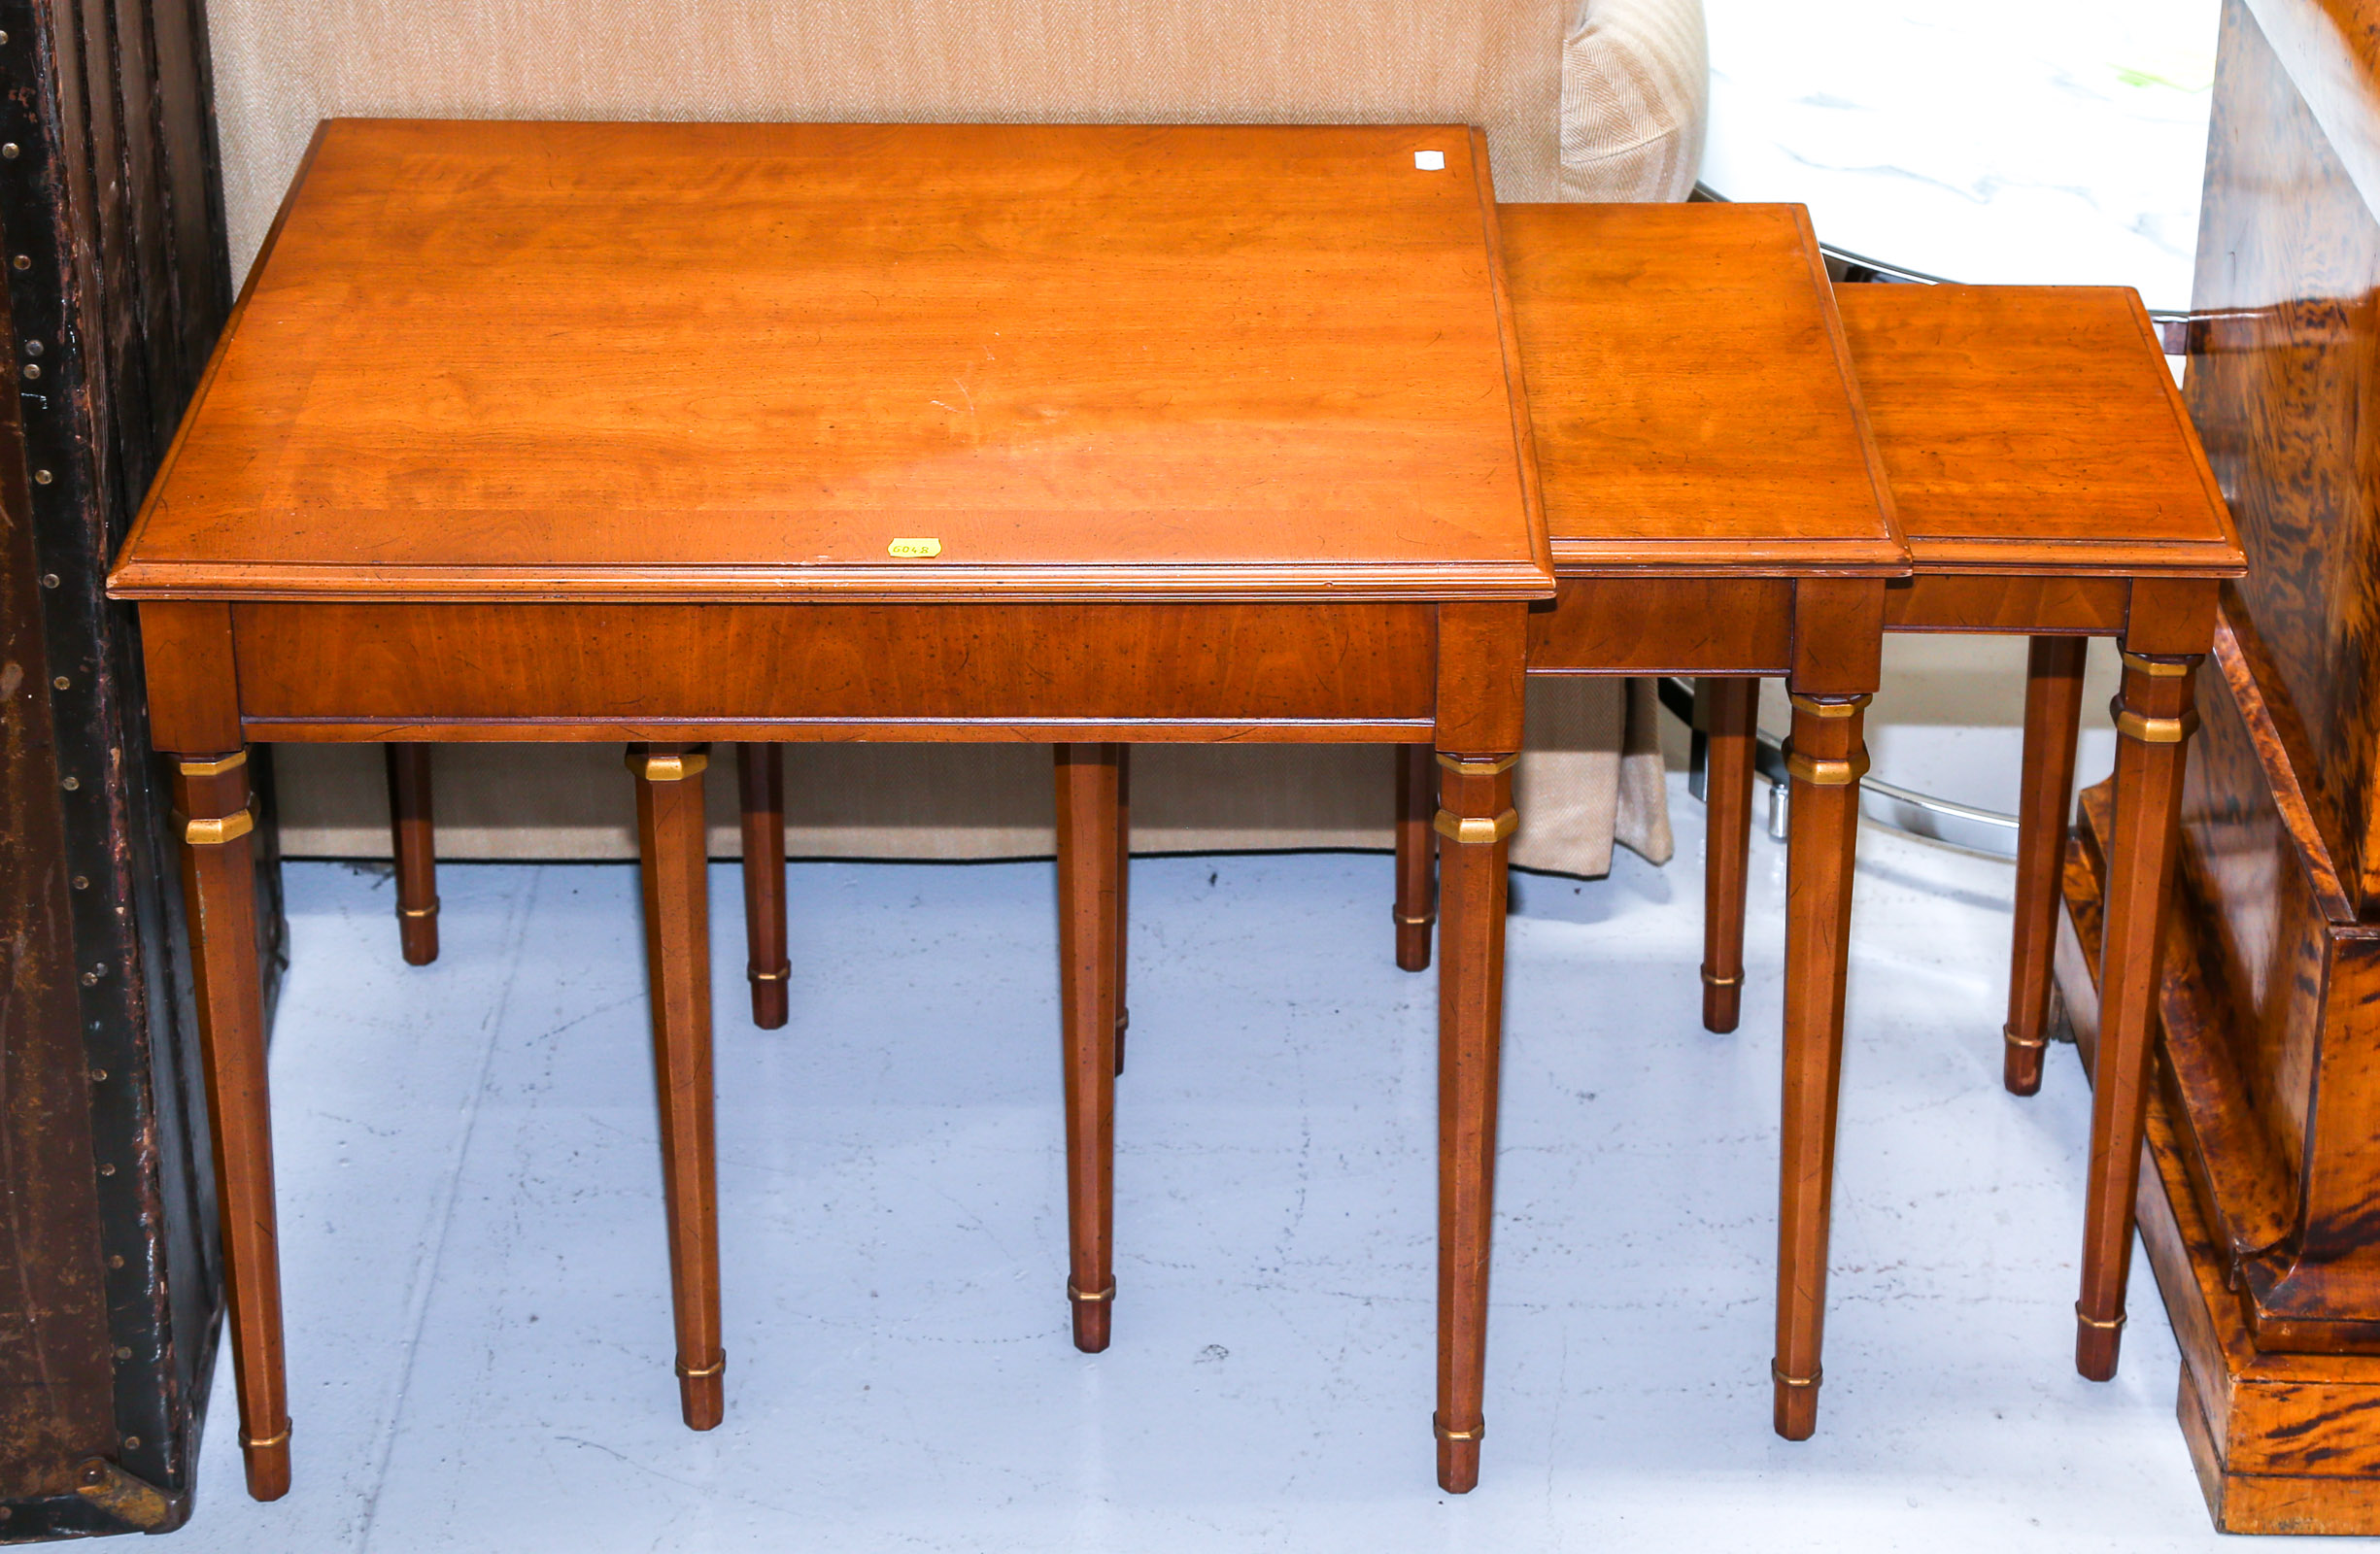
[2156, 696]
[1975, 392]
[1691, 395]
[1090, 956]
[751, 672]
[1716, 507]
[670, 836]
[1739, 624]
[1123, 896]
[1729, 705]
[1482, 648]
[1416, 904]
[414, 837]
[2053, 715]
[759, 774]
[1825, 759]
[218, 891]
[2039, 458]
[1475, 819]
[936, 322]
[649, 433]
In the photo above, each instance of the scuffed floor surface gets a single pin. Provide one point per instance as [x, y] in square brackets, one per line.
[478, 1326]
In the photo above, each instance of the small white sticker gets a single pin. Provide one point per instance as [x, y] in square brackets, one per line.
[1430, 161]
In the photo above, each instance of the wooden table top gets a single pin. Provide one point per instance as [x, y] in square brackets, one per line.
[1692, 395]
[740, 362]
[2035, 429]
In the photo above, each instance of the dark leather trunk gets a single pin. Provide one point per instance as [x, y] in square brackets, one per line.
[112, 251]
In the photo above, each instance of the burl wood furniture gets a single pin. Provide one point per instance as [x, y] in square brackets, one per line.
[2262, 1217]
[2050, 486]
[671, 433]
[1716, 507]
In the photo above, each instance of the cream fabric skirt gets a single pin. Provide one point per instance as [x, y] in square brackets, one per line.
[1592, 774]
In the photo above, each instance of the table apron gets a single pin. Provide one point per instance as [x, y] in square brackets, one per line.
[531, 672]
[2011, 604]
[1664, 626]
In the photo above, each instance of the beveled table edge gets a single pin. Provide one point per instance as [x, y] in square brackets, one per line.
[1984, 557]
[1711, 558]
[928, 583]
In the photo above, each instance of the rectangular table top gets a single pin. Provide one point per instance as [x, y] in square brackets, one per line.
[1693, 396]
[503, 360]
[2035, 429]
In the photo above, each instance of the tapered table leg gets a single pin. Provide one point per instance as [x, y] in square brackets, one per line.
[1123, 897]
[1476, 819]
[2154, 714]
[219, 888]
[1825, 762]
[1089, 830]
[1416, 904]
[670, 836]
[2053, 721]
[413, 834]
[760, 772]
[1730, 708]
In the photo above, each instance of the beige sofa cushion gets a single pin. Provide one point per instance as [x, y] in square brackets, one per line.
[1636, 95]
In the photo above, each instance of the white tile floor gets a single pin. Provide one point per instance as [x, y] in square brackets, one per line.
[479, 1337]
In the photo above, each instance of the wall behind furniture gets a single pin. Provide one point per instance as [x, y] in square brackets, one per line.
[279, 65]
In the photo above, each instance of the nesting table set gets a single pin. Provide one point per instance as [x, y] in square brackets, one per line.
[672, 434]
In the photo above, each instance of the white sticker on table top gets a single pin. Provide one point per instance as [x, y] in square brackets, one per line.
[1430, 161]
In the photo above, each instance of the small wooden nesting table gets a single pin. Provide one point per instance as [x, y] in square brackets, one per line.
[2051, 486]
[668, 433]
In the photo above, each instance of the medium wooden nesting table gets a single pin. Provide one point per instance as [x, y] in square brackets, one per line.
[1717, 507]
[673, 434]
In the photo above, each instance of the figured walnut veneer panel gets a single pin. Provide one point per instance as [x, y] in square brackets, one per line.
[733, 360]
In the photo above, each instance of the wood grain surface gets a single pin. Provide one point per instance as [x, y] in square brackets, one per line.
[725, 360]
[2053, 725]
[2280, 385]
[1692, 398]
[676, 891]
[2034, 428]
[526, 671]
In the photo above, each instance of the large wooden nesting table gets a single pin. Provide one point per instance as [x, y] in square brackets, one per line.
[675, 433]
